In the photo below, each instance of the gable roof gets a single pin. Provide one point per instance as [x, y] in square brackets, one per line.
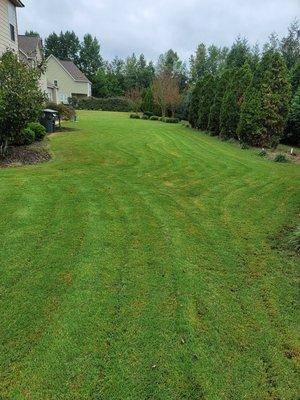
[74, 71]
[71, 69]
[29, 44]
[17, 3]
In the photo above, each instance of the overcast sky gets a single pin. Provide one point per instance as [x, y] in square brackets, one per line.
[154, 26]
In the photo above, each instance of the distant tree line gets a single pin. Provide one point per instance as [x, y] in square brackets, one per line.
[241, 92]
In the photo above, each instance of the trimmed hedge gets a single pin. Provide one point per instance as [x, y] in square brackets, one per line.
[154, 118]
[171, 120]
[120, 104]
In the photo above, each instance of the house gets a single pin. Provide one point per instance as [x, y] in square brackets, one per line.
[65, 81]
[31, 52]
[9, 25]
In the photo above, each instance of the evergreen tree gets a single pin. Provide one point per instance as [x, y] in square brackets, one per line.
[273, 45]
[148, 103]
[216, 59]
[65, 46]
[32, 33]
[292, 134]
[266, 104]
[239, 53]
[295, 76]
[169, 64]
[52, 44]
[233, 98]
[206, 99]
[215, 110]
[211, 60]
[198, 63]
[145, 72]
[90, 59]
[194, 104]
[254, 57]
[100, 83]
[290, 45]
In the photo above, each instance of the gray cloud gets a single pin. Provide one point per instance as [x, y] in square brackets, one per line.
[152, 27]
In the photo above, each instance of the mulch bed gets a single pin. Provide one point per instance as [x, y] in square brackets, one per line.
[25, 155]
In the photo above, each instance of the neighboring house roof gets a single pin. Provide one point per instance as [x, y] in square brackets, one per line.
[17, 3]
[28, 45]
[74, 71]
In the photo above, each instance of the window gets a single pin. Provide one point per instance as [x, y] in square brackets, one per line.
[12, 33]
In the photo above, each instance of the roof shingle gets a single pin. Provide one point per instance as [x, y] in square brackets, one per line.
[74, 71]
[29, 44]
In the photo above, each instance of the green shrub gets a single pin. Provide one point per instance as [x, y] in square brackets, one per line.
[65, 112]
[134, 116]
[144, 116]
[244, 146]
[154, 118]
[281, 158]
[171, 120]
[120, 104]
[262, 153]
[38, 129]
[25, 137]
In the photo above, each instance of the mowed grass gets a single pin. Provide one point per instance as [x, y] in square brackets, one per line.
[141, 263]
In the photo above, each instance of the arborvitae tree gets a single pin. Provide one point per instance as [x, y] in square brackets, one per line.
[295, 76]
[233, 98]
[292, 133]
[198, 63]
[216, 59]
[239, 54]
[211, 60]
[273, 45]
[214, 115]
[254, 57]
[206, 99]
[266, 104]
[194, 104]
[290, 45]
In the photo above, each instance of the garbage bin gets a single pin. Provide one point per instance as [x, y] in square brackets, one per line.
[48, 120]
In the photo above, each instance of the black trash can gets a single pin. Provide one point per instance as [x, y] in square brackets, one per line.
[48, 120]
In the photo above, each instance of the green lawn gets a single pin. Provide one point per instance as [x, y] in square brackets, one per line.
[141, 263]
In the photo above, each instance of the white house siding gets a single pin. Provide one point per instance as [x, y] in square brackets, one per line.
[8, 15]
